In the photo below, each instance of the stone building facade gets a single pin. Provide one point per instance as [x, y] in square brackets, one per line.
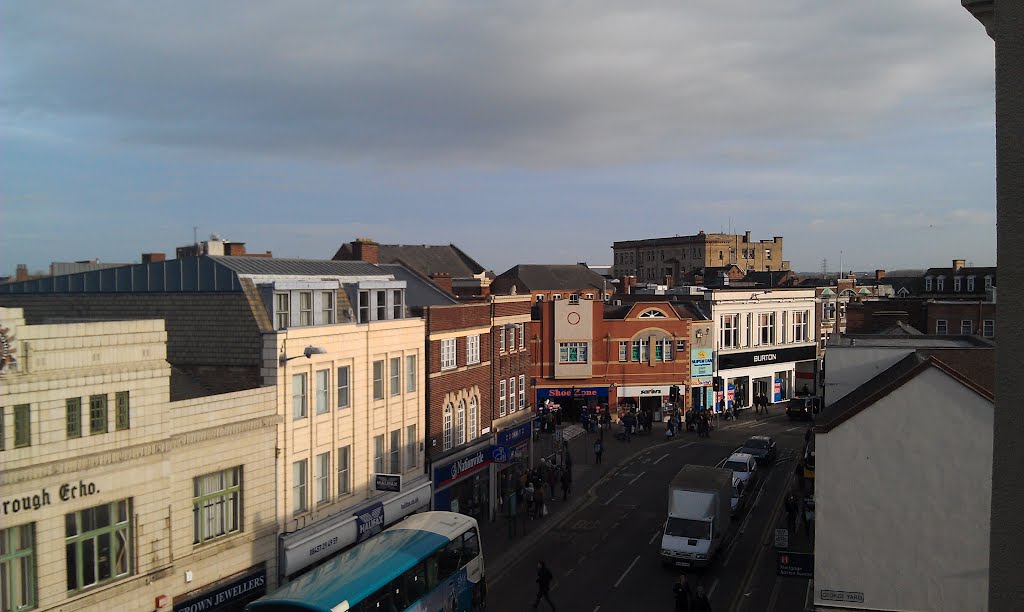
[653, 260]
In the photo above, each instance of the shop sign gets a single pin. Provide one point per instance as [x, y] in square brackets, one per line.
[462, 467]
[249, 586]
[798, 565]
[844, 596]
[388, 482]
[369, 521]
[643, 390]
[702, 382]
[514, 435]
[746, 359]
[702, 362]
[36, 500]
[557, 394]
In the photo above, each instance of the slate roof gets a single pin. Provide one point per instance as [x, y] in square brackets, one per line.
[777, 278]
[539, 277]
[426, 259]
[297, 267]
[419, 290]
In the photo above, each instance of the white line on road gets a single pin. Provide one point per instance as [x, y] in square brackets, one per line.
[660, 458]
[619, 581]
[637, 477]
[711, 591]
[791, 429]
[654, 537]
[611, 498]
[597, 608]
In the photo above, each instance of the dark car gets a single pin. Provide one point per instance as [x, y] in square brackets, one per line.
[761, 447]
[803, 407]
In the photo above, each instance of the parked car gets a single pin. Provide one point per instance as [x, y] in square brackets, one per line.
[744, 467]
[761, 447]
[739, 496]
[803, 407]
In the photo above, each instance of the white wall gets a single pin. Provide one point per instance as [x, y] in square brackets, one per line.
[903, 495]
[849, 367]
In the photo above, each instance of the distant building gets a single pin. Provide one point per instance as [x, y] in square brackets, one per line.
[553, 282]
[445, 265]
[214, 246]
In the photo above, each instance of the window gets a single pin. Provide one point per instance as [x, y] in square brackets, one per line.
[966, 327]
[410, 373]
[97, 542]
[364, 306]
[382, 305]
[448, 354]
[572, 352]
[501, 339]
[281, 316]
[728, 332]
[327, 307]
[522, 391]
[323, 391]
[970, 283]
[473, 349]
[927, 283]
[378, 379]
[396, 451]
[73, 425]
[410, 447]
[97, 414]
[216, 505]
[344, 478]
[988, 328]
[502, 408]
[511, 337]
[122, 410]
[556, 296]
[574, 298]
[640, 350]
[305, 308]
[396, 376]
[940, 283]
[474, 418]
[956, 283]
[941, 328]
[449, 409]
[666, 349]
[378, 454]
[397, 308]
[800, 319]
[22, 425]
[323, 478]
[623, 351]
[460, 423]
[767, 254]
[299, 486]
[784, 328]
[522, 335]
[988, 281]
[343, 387]
[652, 314]
[299, 396]
[681, 346]
[766, 328]
[512, 394]
[17, 568]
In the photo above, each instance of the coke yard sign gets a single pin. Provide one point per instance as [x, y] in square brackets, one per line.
[28, 502]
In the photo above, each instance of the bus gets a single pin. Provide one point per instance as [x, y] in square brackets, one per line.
[429, 561]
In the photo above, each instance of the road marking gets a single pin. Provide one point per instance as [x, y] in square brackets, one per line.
[662, 457]
[711, 591]
[619, 581]
[791, 429]
[597, 608]
[611, 498]
[654, 537]
[774, 597]
[637, 477]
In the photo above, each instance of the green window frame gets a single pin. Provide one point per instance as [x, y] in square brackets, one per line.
[22, 425]
[3, 430]
[73, 425]
[216, 505]
[97, 414]
[18, 567]
[98, 545]
[122, 410]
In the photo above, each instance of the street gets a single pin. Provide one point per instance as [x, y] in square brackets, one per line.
[605, 553]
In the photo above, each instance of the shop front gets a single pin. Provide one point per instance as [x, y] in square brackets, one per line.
[646, 398]
[462, 483]
[702, 371]
[512, 454]
[227, 595]
[571, 400]
[766, 372]
[308, 547]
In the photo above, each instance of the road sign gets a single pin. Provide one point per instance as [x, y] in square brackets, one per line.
[845, 596]
[782, 538]
[799, 565]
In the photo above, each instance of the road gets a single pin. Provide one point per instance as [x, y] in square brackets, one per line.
[605, 554]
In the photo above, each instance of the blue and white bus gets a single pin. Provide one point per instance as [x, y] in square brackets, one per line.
[430, 561]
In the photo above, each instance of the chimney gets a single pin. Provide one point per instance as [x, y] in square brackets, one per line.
[746, 237]
[879, 275]
[22, 273]
[364, 249]
[958, 264]
[443, 280]
[153, 257]
[234, 248]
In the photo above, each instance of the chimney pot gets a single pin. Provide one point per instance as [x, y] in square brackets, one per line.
[153, 257]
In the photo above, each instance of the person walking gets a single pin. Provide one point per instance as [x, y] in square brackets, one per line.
[566, 483]
[538, 500]
[791, 510]
[544, 578]
[554, 474]
[799, 472]
[531, 502]
[598, 449]
[700, 601]
[683, 594]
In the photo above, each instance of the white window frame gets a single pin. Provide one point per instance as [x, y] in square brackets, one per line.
[728, 330]
[511, 338]
[449, 414]
[411, 451]
[410, 373]
[943, 325]
[988, 281]
[299, 410]
[940, 284]
[574, 298]
[300, 501]
[501, 339]
[344, 470]
[800, 319]
[474, 418]
[988, 328]
[379, 452]
[565, 350]
[927, 283]
[522, 335]
[395, 376]
[323, 478]
[502, 407]
[363, 306]
[957, 283]
[323, 391]
[397, 304]
[512, 394]
[970, 284]
[472, 349]
[305, 308]
[966, 327]
[623, 350]
[378, 380]
[282, 310]
[327, 310]
[380, 306]
[448, 359]
[666, 350]
[765, 329]
[344, 387]
[522, 391]
[460, 423]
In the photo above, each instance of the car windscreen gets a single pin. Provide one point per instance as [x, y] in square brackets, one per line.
[688, 528]
[756, 443]
[736, 466]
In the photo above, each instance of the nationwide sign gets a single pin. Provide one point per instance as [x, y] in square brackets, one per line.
[388, 482]
[514, 435]
[462, 467]
[728, 361]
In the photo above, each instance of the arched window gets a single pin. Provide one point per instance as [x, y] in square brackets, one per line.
[473, 418]
[448, 426]
[460, 423]
[652, 314]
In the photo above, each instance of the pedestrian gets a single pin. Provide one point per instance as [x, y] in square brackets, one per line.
[791, 510]
[700, 601]
[544, 578]
[531, 502]
[598, 449]
[799, 472]
[554, 475]
[566, 483]
[683, 594]
[538, 500]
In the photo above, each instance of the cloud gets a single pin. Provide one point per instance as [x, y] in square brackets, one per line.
[529, 84]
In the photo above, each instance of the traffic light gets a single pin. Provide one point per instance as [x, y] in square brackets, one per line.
[673, 393]
[717, 383]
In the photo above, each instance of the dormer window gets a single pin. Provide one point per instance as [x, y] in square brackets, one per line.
[652, 314]
[988, 281]
[574, 298]
[957, 283]
[940, 284]
[927, 283]
[970, 284]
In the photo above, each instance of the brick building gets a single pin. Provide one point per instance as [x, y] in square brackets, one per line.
[553, 282]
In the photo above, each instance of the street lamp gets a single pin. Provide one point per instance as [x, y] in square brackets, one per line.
[308, 354]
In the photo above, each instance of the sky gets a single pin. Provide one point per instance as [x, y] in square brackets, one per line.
[522, 132]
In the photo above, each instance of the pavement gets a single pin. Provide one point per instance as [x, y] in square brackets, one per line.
[603, 542]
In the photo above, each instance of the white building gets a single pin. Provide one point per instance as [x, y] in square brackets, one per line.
[903, 477]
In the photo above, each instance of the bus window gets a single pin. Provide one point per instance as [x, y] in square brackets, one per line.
[450, 558]
[472, 544]
[432, 572]
[381, 600]
[415, 583]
